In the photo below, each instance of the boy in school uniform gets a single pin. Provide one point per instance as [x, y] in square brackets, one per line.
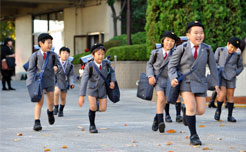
[96, 89]
[36, 62]
[231, 66]
[194, 86]
[65, 79]
[158, 63]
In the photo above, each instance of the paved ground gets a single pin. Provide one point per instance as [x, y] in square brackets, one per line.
[126, 126]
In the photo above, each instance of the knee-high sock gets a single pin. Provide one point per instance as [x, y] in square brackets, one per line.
[92, 115]
[230, 109]
[4, 82]
[213, 97]
[219, 103]
[191, 122]
[61, 107]
[160, 118]
[167, 109]
[178, 108]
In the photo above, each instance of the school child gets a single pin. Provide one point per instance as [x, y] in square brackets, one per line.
[157, 65]
[65, 79]
[36, 62]
[231, 66]
[96, 89]
[194, 86]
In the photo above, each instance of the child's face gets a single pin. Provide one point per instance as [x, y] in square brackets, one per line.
[64, 55]
[196, 35]
[168, 43]
[98, 56]
[46, 46]
[231, 49]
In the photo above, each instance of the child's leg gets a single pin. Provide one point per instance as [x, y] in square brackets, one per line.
[190, 116]
[213, 97]
[220, 102]
[230, 99]
[200, 105]
[56, 100]
[50, 101]
[62, 105]
[103, 105]
[92, 114]
[167, 115]
[37, 112]
[159, 110]
[178, 110]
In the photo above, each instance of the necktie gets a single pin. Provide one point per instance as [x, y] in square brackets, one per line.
[195, 54]
[165, 55]
[100, 67]
[44, 55]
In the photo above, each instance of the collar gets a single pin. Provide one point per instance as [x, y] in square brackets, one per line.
[98, 65]
[192, 45]
[63, 61]
[42, 52]
[163, 51]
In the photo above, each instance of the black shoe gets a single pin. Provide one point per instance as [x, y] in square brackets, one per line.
[12, 88]
[184, 110]
[4, 89]
[155, 125]
[55, 111]
[60, 114]
[161, 127]
[231, 119]
[179, 118]
[217, 115]
[168, 119]
[194, 140]
[37, 126]
[51, 117]
[93, 129]
[212, 105]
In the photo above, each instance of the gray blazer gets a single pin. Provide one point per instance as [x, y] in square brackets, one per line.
[197, 79]
[96, 85]
[49, 74]
[153, 67]
[67, 78]
[233, 68]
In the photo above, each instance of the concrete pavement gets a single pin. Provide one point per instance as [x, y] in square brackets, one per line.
[126, 126]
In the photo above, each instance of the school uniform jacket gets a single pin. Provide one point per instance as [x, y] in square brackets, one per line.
[153, 67]
[197, 80]
[65, 78]
[96, 85]
[234, 66]
[34, 70]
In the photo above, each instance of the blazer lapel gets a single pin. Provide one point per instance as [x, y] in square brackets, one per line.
[40, 59]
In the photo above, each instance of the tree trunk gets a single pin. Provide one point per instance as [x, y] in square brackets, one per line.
[128, 27]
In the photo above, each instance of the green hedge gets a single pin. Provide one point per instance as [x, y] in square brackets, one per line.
[222, 19]
[123, 53]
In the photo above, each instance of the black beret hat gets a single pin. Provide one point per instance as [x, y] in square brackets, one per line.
[169, 34]
[97, 46]
[194, 23]
[44, 36]
[235, 41]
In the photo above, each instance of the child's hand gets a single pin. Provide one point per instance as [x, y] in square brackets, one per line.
[81, 101]
[72, 86]
[174, 82]
[112, 85]
[152, 81]
[55, 68]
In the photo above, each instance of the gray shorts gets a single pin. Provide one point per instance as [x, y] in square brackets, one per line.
[159, 88]
[62, 90]
[186, 88]
[49, 89]
[228, 83]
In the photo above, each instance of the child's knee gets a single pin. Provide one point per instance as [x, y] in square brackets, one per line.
[93, 108]
[200, 111]
[103, 109]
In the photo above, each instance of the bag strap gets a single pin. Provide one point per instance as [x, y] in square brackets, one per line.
[45, 64]
[96, 68]
[228, 59]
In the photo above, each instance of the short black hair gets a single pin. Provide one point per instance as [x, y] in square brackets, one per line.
[44, 36]
[64, 49]
[7, 40]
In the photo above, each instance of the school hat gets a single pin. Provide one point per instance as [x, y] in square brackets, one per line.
[44, 36]
[194, 23]
[235, 41]
[97, 46]
[169, 34]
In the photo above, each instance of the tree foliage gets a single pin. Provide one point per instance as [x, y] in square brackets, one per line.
[7, 29]
[221, 19]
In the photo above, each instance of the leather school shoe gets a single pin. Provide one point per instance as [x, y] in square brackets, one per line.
[212, 105]
[155, 125]
[217, 115]
[51, 117]
[161, 127]
[231, 119]
[55, 111]
[168, 119]
[179, 118]
[184, 110]
[60, 114]
[194, 140]
[12, 88]
[93, 129]
[37, 126]
[4, 89]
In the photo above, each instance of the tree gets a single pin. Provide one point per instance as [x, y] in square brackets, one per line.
[221, 18]
[7, 29]
[114, 15]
